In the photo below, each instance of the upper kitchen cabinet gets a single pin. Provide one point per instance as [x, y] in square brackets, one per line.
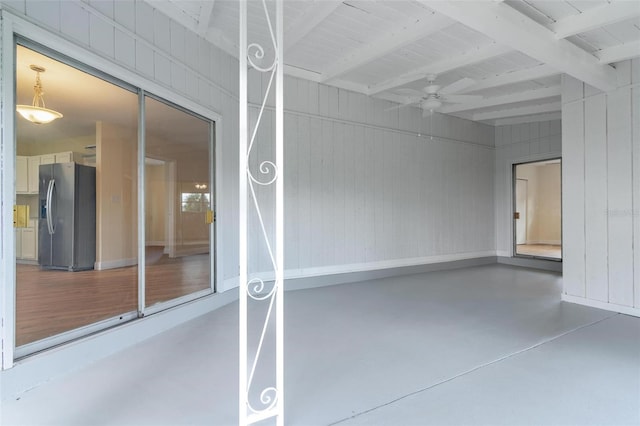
[22, 174]
[27, 168]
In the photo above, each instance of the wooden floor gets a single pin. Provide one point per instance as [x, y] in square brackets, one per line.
[542, 250]
[51, 302]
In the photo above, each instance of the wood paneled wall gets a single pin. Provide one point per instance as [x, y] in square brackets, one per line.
[601, 183]
[519, 143]
[368, 188]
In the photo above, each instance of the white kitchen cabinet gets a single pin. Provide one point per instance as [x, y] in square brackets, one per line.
[64, 157]
[22, 174]
[34, 174]
[27, 241]
[48, 159]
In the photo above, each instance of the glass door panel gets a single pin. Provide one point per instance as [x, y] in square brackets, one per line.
[178, 198]
[76, 256]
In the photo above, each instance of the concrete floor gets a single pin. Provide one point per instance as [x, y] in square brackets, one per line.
[482, 345]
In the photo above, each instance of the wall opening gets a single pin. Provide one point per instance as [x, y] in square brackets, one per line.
[537, 209]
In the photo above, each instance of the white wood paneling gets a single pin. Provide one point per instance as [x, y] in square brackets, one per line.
[635, 112]
[573, 199]
[609, 145]
[620, 217]
[101, 36]
[596, 240]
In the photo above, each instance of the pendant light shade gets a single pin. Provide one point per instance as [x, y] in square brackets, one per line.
[37, 113]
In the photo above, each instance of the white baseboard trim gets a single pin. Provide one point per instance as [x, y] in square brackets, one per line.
[628, 310]
[291, 274]
[188, 251]
[546, 242]
[113, 264]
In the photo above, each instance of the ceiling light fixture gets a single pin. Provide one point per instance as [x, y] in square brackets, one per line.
[37, 113]
[431, 103]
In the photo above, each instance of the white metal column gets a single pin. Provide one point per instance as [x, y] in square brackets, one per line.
[269, 400]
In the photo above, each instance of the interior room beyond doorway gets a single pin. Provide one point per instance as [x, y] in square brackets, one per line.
[538, 209]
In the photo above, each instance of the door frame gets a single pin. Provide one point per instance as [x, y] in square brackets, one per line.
[514, 164]
[14, 27]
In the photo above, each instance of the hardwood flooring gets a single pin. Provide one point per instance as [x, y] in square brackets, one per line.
[543, 250]
[50, 302]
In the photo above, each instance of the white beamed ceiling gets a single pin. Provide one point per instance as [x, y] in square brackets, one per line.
[511, 48]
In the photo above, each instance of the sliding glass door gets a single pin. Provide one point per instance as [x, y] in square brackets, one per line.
[178, 203]
[76, 181]
[115, 223]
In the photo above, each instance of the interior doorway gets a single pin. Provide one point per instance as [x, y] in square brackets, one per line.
[537, 209]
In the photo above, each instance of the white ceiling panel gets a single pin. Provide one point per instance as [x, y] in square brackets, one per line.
[378, 47]
[625, 31]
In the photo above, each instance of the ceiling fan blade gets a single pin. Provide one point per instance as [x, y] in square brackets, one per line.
[457, 86]
[461, 98]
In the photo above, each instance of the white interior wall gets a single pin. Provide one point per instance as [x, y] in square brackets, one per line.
[601, 183]
[549, 205]
[367, 188]
[518, 143]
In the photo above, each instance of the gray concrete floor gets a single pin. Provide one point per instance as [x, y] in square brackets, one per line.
[484, 345]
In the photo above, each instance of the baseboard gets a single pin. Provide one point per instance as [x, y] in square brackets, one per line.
[545, 265]
[302, 283]
[113, 264]
[189, 251]
[628, 310]
[339, 274]
[44, 366]
[546, 242]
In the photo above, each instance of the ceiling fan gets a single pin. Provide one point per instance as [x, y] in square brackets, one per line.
[432, 96]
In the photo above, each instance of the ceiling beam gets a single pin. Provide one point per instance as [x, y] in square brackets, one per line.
[527, 74]
[507, 26]
[549, 116]
[619, 53]
[458, 61]
[387, 43]
[609, 13]
[206, 12]
[174, 12]
[310, 18]
[528, 95]
[514, 112]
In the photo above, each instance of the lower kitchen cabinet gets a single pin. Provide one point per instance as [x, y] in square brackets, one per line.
[27, 241]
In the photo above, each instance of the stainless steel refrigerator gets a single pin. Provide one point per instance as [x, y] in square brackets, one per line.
[67, 220]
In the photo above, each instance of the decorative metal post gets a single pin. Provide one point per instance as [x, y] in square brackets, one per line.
[257, 403]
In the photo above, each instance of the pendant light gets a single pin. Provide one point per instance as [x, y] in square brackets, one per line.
[37, 113]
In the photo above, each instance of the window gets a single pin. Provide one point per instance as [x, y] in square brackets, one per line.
[195, 202]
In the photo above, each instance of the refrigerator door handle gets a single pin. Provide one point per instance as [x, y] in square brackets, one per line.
[49, 206]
